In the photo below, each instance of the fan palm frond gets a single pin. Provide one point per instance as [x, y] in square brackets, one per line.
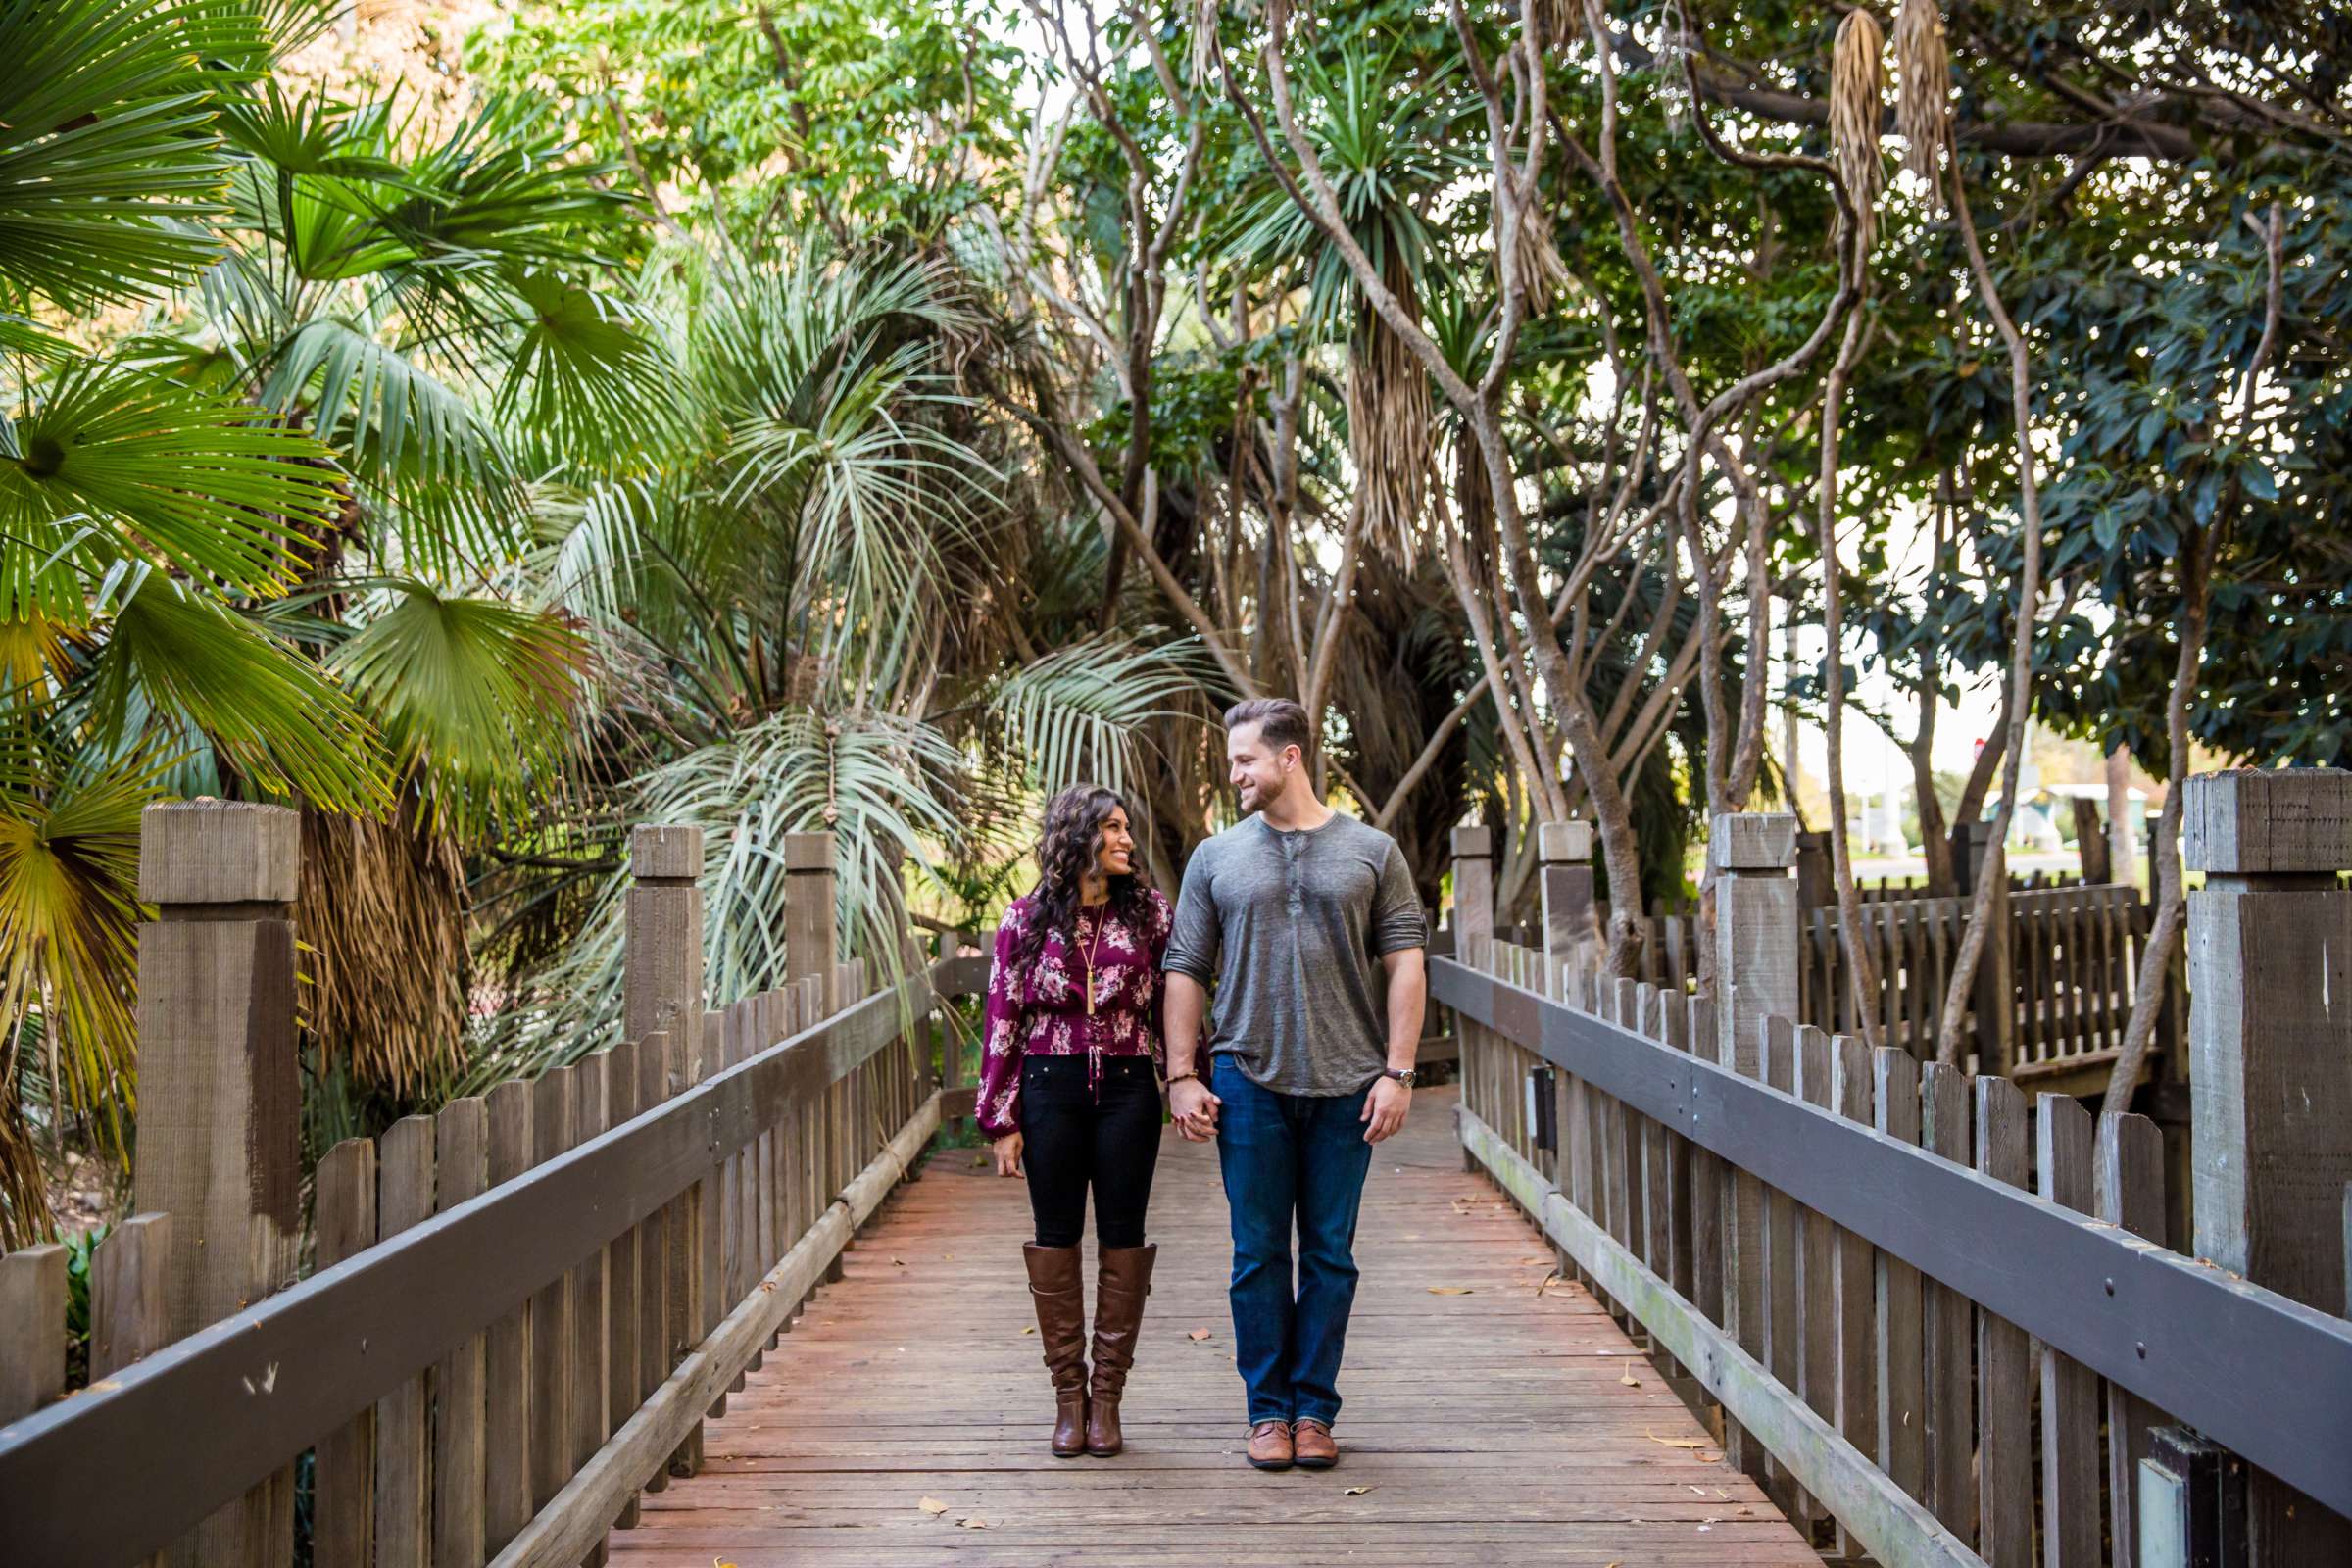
[69, 941]
[475, 694]
[107, 112]
[880, 783]
[108, 465]
[1075, 715]
[193, 664]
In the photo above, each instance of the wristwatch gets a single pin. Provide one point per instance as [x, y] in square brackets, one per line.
[1403, 1075]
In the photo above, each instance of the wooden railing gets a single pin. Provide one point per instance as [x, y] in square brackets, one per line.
[521, 1307]
[2068, 961]
[1839, 1251]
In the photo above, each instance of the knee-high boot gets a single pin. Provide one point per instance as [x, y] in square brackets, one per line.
[1122, 1279]
[1058, 1286]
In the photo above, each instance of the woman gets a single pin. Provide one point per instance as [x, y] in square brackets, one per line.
[1069, 1094]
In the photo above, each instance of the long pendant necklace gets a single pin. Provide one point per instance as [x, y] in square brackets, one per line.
[1091, 948]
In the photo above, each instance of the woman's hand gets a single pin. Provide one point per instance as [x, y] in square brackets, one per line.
[1007, 1150]
[1194, 1110]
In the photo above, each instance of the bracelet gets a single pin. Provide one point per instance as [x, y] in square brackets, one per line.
[1182, 1076]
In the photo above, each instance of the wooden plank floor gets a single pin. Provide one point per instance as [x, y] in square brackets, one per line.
[1495, 1426]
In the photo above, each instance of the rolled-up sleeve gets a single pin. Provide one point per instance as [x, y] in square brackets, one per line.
[1194, 938]
[1397, 921]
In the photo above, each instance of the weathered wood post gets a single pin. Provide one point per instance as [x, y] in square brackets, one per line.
[1472, 893]
[811, 956]
[220, 1095]
[661, 980]
[661, 995]
[1565, 849]
[1756, 924]
[2270, 1056]
[811, 942]
[1473, 844]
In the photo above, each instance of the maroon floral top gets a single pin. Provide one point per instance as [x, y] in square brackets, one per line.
[1043, 1013]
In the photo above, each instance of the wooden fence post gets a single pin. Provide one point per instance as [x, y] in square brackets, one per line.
[1472, 893]
[661, 980]
[2270, 1056]
[813, 958]
[1756, 926]
[812, 938]
[220, 1095]
[1566, 851]
[1473, 845]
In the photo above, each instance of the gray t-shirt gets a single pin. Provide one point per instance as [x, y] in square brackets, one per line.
[1290, 928]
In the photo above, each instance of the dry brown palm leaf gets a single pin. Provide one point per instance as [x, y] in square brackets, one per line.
[1857, 102]
[1388, 432]
[1540, 272]
[1923, 87]
[382, 911]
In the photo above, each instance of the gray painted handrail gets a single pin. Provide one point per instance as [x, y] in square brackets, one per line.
[208, 1416]
[2255, 1371]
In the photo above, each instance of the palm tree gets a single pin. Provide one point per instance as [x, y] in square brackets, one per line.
[789, 593]
[251, 545]
[137, 517]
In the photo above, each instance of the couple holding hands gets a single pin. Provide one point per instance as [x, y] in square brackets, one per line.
[1306, 923]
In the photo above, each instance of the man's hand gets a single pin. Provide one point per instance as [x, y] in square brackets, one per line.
[1385, 1110]
[1194, 1110]
[1007, 1150]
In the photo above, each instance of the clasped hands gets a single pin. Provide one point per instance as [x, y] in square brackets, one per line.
[1194, 1110]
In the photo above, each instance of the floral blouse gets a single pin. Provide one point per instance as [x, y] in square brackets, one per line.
[1044, 1011]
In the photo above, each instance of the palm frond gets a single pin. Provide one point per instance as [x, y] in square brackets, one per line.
[879, 783]
[192, 665]
[585, 376]
[475, 694]
[69, 941]
[106, 119]
[1074, 714]
[111, 464]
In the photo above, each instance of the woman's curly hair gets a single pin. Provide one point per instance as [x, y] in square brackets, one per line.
[1067, 847]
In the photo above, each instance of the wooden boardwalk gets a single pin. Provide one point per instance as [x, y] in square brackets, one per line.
[903, 1420]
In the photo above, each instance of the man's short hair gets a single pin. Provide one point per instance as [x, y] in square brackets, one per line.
[1280, 720]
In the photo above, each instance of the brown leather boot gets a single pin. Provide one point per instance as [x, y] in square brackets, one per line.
[1058, 1288]
[1122, 1279]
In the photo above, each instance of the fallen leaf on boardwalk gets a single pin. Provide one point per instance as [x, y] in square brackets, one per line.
[1698, 1491]
[1452, 1290]
[1629, 1380]
[1354, 1492]
[1198, 1334]
[975, 1522]
[981, 1164]
[1031, 1329]
[932, 1506]
[1549, 1280]
[721, 1562]
[902, 1262]
[1677, 1442]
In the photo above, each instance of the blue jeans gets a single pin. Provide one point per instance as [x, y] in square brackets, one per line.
[1285, 1158]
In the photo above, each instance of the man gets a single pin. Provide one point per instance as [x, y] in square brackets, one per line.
[1307, 924]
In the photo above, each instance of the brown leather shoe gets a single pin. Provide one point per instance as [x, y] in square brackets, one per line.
[1311, 1445]
[1059, 1289]
[1270, 1446]
[1122, 1279]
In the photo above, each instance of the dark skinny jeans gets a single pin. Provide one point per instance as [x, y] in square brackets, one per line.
[1072, 1139]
